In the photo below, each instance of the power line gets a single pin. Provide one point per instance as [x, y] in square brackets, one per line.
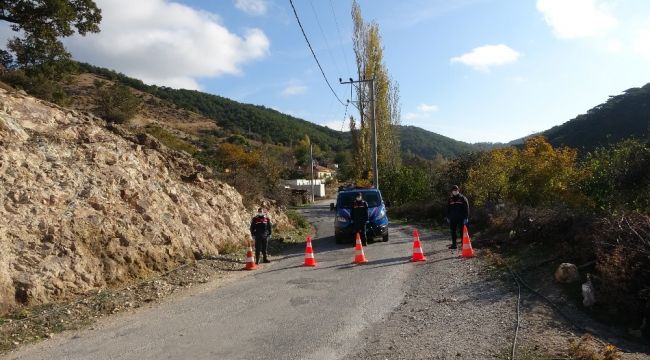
[313, 53]
[322, 32]
[338, 29]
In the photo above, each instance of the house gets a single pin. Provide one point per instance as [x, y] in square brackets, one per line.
[321, 172]
[303, 184]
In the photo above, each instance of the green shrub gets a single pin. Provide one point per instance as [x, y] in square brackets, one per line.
[117, 104]
[170, 140]
[37, 85]
[297, 219]
[619, 177]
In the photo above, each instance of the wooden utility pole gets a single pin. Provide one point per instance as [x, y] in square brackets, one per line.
[311, 161]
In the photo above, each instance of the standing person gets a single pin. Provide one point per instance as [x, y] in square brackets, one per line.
[261, 230]
[360, 217]
[457, 213]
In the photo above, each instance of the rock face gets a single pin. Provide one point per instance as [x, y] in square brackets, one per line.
[567, 273]
[83, 207]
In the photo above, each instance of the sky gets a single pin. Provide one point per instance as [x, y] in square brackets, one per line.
[472, 70]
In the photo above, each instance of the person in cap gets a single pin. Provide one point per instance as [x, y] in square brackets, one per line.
[457, 214]
[261, 229]
[360, 217]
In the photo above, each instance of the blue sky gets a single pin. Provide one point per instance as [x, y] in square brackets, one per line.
[473, 70]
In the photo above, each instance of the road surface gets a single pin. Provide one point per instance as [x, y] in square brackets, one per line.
[281, 311]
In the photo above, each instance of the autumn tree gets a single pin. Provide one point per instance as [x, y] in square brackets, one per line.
[41, 23]
[489, 179]
[370, 63]
[543, 174]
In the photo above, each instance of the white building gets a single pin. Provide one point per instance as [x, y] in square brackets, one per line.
[303, 184]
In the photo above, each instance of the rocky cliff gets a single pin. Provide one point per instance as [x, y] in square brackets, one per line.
[84, 206]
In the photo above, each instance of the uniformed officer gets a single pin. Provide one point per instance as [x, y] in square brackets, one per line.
[457, 213]
[261, 230]
[360, 217]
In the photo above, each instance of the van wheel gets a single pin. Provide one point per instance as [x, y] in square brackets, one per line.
[384, 238]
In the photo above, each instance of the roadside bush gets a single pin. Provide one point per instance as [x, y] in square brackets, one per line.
[117, 104]
[619, 177]
[170, 140]
[623, 259]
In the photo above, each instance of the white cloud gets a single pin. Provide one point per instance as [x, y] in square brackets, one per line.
[294, 90]
[614, 46]
[427, 108]
[642, 43]
[572, 19]
[484, 57]
[252, 7]
[337, 125]
[423, 112]
[166, 43]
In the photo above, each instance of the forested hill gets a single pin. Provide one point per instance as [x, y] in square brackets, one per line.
[428, 145]
[264, 124]
[253, 121]
[622, 116]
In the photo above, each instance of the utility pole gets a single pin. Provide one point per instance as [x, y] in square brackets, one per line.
[311, 161]
[373, 125]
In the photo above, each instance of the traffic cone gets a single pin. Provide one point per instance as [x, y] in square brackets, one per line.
[418, 254]
[467, 251]
[359, 257]
[250, 259]
[309, 254]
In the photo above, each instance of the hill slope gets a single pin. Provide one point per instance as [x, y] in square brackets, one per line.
[428, 145]
[86, 206]
[253, 121]
[622, 116]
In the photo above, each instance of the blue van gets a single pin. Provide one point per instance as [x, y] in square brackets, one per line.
[377, 219]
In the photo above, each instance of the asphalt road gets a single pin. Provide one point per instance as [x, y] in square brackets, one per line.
[281, 311]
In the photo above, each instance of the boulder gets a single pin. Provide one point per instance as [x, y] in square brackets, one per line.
[567, 273]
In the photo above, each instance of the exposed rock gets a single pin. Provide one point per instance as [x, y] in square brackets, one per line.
[567, 273]
[83, 205]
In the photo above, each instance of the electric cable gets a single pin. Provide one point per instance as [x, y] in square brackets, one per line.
[322, 32]
[313, 53]
[514, 340]
[338, 29]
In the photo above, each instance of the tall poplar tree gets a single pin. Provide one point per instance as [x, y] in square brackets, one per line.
[369, 54]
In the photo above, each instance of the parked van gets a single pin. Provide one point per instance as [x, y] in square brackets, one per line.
[377, 219]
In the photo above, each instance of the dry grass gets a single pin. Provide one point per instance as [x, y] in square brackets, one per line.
[588, 349]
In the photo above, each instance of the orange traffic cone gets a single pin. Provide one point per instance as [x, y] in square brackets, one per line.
[309, 254]
[467, 251]
[418, 254]
[359, 257]
[250, 260]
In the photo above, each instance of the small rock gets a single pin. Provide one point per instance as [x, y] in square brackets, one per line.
[567, 273]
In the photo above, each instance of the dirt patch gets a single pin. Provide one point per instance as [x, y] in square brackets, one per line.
[466, 309]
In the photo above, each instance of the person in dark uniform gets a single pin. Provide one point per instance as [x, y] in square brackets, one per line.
[360, 217]
[457, 213]
[261, 229]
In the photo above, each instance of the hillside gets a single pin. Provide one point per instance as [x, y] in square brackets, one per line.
[428, 145]
[268, 125]
[255, 122]
[622, 116]
[88, 206]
